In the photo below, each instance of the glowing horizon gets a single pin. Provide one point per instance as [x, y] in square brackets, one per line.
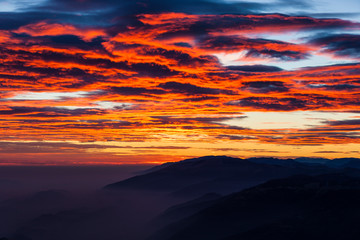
[102, 82]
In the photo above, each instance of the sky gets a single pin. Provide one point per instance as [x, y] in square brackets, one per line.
[88, 82]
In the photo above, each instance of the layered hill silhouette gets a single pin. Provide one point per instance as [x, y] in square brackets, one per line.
[297, 207]
[212, 198]
[222, 175]
[183, 210]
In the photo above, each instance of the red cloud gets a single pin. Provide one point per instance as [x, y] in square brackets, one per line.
[166, 70]
[55, 29]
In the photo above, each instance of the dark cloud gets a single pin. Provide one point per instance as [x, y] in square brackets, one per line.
[206, 120]
[189, 89]
[64, 41]
[234, 137]
[349, 122]
[14, 20]
[229, 43]
[17, 77]
[254, 68]
[323, 137]
[43, 147]
[152, 70]
[181, 57]
[283, 55]
[82, 77]
[336, 87]
[49, 111]
[48, 123]
[163, 147]
[272, 103]
[98, 125]
[224, 149]
[50, 147]
[141, 69]
[183, 44]
[340, 44]
[129, 7]
[199, 99]
[265, 86]
[53, 147]
[132, 91]
[327, 152]
[116, 15]
[254, 47]
[238, 22]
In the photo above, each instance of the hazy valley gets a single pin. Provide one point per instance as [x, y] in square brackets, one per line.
[214, 197]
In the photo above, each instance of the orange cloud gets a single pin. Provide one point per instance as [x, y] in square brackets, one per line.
[54, 29]
[159, 81]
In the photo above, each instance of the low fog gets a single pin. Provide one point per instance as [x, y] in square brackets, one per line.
[38, 203]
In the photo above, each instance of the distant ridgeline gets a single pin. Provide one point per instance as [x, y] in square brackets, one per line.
[224, 175]
[297, 207]
[206, 198]
[255, 198]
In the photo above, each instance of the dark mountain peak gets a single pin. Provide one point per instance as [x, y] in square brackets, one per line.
[325, 180]
[297, 207]
[310, 160]
[220, 174]
[191, 160]
[182, 210]
[204, 198]
[211, 158]
[207, 161]
[275, 161]
[344, 162]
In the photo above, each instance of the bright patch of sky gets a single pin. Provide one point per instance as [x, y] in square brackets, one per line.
[344, 9]
[38, 96]
[111, 105]
[50, 95]
[102, 105]
[297, 37]
[288, 120]
[347, 9]
[238, 58]
[18, 5]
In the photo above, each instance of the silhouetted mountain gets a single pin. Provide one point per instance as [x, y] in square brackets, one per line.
[286, 208]
[312, 161]
[298, 207]
[344, 163]
[276, 161]
[218, 174]
[334, 163]
[156, 168]
[188, 208]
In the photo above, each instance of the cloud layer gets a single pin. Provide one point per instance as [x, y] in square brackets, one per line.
[154, 71]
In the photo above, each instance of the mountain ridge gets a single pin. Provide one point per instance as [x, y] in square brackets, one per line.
[221, 174]
[297, 207]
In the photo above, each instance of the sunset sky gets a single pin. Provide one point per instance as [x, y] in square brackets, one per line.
[148, 81]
